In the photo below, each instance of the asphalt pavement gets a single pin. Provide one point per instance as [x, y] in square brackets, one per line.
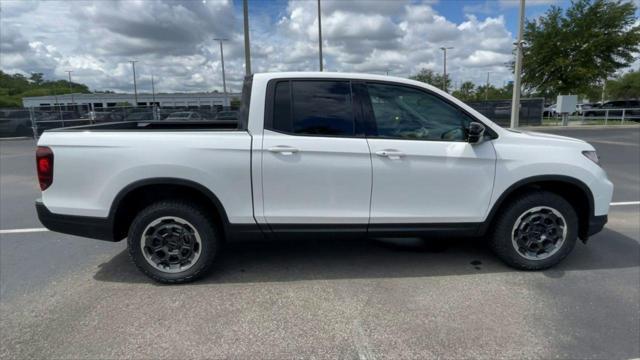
[68, 297]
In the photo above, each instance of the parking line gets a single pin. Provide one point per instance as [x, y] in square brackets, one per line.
[625, 203]
[17, 231]
[32, 230]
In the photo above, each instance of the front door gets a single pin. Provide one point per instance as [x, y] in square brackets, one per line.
[424, 170]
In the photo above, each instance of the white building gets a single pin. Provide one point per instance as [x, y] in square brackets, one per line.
[99, 100]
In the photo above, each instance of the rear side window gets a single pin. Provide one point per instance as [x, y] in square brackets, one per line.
[322, 108]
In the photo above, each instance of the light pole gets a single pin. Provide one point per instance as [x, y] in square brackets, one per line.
[515, 103]
[224, 81]
[320, 35]
[153, 91]
[70, 89]
[135, 85]
[247, 48]
[486, 89]
[444, 80]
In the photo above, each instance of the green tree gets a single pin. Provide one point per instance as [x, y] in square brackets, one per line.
[431, 78]
[466, 91]
[13, 87]
[36, 78]
[624, 88]
[570, 52]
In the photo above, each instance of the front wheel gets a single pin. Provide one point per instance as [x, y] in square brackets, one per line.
[173, 242]
[535, 231]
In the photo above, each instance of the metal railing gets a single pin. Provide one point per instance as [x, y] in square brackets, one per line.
[597, 116]
[33, 121]
[609, 115]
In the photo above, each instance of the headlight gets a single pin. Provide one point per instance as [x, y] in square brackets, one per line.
[592, 155]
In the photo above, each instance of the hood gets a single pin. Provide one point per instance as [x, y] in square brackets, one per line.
[539, 135]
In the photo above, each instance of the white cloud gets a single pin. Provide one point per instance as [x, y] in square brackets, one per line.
[173, 40]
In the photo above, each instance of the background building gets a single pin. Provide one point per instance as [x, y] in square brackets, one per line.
[102, 100]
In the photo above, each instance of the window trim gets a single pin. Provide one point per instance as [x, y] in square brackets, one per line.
[358, 119]
[370, 118]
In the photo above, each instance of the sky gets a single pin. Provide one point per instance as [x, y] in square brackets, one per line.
[173, 39]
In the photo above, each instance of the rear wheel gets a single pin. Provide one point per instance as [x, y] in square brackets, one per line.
[173, 242]
[535, 231]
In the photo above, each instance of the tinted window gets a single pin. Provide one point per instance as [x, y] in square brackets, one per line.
[406, 113]
[282, 107]
[314, 108]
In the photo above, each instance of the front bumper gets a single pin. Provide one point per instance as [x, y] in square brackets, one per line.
[86, 226]
[596, 224]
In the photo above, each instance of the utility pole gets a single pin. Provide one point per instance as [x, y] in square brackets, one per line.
[320, 35]
[135, 85]
[247, 49]
[444, 79]
[486, 89]
[224, 81]
[70, 89]
[153, 91]
[515, 103]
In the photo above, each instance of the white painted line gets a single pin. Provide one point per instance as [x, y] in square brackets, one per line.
[18, 231]
[625, 203]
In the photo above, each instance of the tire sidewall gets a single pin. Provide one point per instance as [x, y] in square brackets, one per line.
[204, 227]
[501, 241]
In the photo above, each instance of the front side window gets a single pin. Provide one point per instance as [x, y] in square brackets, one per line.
[320, 107]
[402, 112]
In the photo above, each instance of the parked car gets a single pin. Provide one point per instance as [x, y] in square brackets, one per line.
[184, 116]
[581, 108]
[549, 110]
[322, 154]
[614, 109]
[141, 116]
[226, 115]
[15, 123]
[107, 116]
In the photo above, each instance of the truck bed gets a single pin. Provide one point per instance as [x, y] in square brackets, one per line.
[156, 125]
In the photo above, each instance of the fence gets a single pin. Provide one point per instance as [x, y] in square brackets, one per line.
[33, 121]
[499, 111]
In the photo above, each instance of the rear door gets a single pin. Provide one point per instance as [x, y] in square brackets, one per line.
[424, 170]
[316, 166]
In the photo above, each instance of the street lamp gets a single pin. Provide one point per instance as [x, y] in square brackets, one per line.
[224, 81]
[70, 89]
[320, 35]
[153, 91]
[515, 102]
[135, 86]
[444, 80]
[247, 48]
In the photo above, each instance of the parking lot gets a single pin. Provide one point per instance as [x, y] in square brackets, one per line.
[69, 297]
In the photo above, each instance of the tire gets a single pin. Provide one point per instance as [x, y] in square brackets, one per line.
[174, 258]
[534, 220]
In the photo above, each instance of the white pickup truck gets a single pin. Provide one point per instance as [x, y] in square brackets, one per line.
[321, 154]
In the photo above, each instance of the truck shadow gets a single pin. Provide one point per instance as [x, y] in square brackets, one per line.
[282, 261]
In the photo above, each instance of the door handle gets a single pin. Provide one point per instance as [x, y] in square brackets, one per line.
[390, 153]
[283, 149]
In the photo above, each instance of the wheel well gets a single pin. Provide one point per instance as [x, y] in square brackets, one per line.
[578, 196]
[126, 209]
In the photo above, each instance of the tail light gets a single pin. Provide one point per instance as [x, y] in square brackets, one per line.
[44, 165]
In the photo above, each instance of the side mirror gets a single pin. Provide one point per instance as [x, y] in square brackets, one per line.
[475, 133]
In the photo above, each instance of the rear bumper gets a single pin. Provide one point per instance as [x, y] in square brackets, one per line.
[91, 227]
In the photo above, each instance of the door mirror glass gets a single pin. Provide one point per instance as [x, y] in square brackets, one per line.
[475, 132]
